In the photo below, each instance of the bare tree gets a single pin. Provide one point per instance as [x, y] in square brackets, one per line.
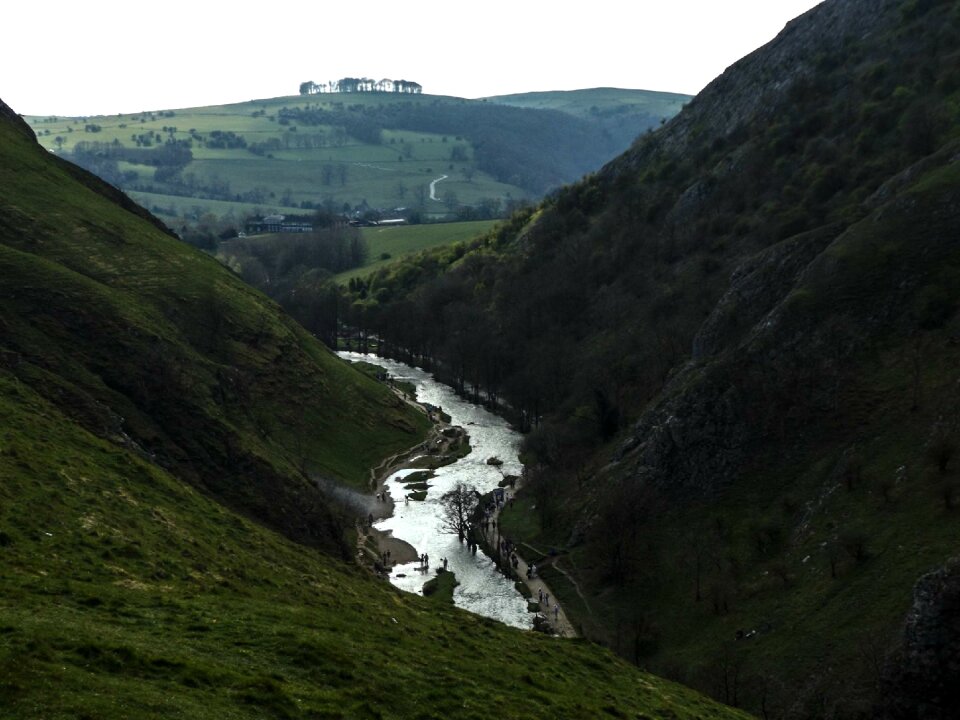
[458, 506]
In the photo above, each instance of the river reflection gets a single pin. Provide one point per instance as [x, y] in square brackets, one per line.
[482, 588]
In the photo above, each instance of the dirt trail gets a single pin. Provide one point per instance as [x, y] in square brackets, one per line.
[550, 610]
[576, 585]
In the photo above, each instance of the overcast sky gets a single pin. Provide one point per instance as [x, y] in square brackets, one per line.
[106, 56]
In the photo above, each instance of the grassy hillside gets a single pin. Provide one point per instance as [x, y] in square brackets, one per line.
[126, 592]
[360, 150]
[145, 397]
[399, 242]
[733, 348]
[149, 342]
[600, 101]
[622, 112]
[328, 166]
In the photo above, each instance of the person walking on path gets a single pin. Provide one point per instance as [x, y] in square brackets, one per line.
[529, 575]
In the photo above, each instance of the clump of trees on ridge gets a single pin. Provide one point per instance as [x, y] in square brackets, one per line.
[353, 85]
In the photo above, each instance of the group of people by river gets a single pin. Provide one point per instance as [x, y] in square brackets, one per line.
[489, 593]
[508, 549]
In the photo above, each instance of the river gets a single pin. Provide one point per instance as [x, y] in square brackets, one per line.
[483, 589]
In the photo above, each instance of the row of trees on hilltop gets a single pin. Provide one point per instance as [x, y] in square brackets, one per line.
[353, 85]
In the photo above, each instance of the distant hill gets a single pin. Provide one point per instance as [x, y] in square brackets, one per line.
[625, 114]
[164, 549]
[210, 167]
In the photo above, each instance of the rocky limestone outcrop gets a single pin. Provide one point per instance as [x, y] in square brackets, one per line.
[771, 357]
[690, 443]
[756, 286]
[756, 86]
[922, 679]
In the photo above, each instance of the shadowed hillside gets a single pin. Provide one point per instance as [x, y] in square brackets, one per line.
[163, 549]
[734, 347]
[151, 344]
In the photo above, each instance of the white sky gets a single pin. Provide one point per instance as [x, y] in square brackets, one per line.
[92, 57]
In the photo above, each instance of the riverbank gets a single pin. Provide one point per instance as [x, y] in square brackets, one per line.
[549, 610]
[442, 446]
[393, 551]
[460, 460]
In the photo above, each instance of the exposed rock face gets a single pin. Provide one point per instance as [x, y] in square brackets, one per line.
[755, 85]
[923, 680]
[774, 351]
[756, 286]
[690, 442]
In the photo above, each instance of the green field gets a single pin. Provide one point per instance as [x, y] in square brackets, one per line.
[405, 240]
[393, 174]
[344, 171]
[186, 209]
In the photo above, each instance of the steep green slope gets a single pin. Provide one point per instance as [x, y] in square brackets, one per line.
[152, 344]
[735, 347]
[145, 394]
[126, 593]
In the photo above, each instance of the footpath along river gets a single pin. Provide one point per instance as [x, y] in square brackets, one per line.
[483, 589]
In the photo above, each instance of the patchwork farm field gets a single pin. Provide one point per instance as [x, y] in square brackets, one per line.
[246, 160]
[437, 157]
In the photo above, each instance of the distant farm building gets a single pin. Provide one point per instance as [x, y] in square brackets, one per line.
[278, 224]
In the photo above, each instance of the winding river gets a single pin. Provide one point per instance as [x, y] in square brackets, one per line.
[482, 588]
